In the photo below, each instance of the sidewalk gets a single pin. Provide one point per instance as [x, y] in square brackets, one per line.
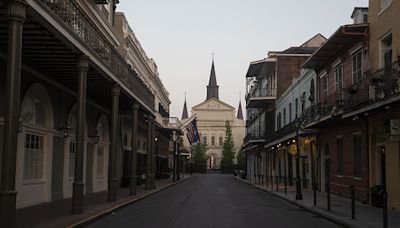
[366, 215]
[58, 214]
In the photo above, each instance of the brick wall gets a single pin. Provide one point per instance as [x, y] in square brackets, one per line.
[340, 182]
[288, 67]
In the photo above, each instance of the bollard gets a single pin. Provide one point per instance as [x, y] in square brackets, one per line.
[285, 185]
[315, 194]
[328, 194]
[277, 183]
[385, 215]
[353, 201]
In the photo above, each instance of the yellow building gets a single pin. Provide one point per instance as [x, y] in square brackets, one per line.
[383, 112]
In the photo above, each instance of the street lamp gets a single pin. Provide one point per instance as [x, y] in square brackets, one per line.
[299, 196]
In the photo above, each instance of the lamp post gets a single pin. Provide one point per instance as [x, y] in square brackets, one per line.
[299, 196]
[157, 161]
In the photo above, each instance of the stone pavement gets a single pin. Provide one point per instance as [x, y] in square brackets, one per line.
[366, 216]
[57, 214]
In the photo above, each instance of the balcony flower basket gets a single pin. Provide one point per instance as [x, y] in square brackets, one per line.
[377, 195]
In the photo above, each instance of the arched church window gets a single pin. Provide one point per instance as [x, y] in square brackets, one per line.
[221, 140]
[205, 139]
[213, 140]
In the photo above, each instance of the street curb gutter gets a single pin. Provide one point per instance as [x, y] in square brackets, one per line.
[318, 212]
[106, 212]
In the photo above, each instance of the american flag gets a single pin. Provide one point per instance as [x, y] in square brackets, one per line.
[192, 132]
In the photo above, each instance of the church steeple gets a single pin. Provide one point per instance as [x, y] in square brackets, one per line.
[212, 88]
[240, 112]
[185, 112]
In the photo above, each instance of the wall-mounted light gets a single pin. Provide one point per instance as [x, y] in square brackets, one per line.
[156, 139]
[66, 129]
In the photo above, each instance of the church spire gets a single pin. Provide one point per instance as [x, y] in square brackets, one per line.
[212, 88]
[240, 112]
[185, 112]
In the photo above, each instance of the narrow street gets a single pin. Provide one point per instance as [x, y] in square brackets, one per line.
[212, 200]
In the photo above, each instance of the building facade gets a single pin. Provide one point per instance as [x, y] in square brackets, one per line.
[212, 115]
[64, 89]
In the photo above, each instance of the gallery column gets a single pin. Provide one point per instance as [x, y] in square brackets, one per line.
[112, 161]
[78, 185]
[15, 15]
[133, 179]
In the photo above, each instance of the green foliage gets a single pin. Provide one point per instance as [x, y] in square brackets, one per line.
[240, 160]
[199, 158]
[228, 151]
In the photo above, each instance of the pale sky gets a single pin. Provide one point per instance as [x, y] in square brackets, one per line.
[181, 35]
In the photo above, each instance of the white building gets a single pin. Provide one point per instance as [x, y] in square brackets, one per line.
[212, 115]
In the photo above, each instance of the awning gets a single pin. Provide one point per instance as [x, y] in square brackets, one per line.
[261, 68]
[335, 44]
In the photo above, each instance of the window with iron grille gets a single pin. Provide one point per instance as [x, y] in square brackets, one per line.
[33, 157]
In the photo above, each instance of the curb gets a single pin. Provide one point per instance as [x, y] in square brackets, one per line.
[106, 212]
[317, 212]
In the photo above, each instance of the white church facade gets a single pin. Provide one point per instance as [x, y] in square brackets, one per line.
[212, 115]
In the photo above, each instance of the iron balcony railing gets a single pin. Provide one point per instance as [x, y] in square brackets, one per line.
[260, 91]
[373, 87]
[74, 17]
[260, 135]
[275, 135]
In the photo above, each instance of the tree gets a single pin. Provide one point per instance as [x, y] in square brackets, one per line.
[228, 151]
[199, 158]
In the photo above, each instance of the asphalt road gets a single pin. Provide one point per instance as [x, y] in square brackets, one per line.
[212, 201]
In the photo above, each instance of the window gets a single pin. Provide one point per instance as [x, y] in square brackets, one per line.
[72, 150]
[385, 47]
[221, 140]
[357, 65]
[278, 121]
[32, 111]
[290, 112]
[296, 108]
[339, 154]
[325, 87]
[284, 116]
[100, 161]
[338, 73]
[205, 139]
[125, 140]
[357, 155]
[33, 157]
[213, 140]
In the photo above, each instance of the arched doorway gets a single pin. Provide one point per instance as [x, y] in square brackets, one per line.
[35, 146]
[100, 158]
[70, 151]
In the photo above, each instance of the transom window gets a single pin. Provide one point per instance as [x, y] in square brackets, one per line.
[33, 158]
[357, 66]
[32, 111]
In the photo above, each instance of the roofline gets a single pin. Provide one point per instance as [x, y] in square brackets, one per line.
[358, 8]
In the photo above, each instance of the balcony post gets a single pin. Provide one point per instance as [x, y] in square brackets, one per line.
[78, 185]
[112, 161]
[16, 15]
[134, 145]
[150, 154]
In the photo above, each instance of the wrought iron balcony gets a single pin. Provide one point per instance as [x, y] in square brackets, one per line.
[259, 97]
[255, 137]
[275, 135]
[330, 105]
[373, 87]
[75, 18]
